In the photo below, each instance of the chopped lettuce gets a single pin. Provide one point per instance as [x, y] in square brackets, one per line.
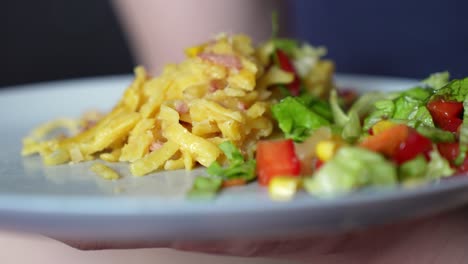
[317, 105]
[339, 116]
[414, 169]
[438, 167]
[287, 45]
[351, 168]
[455, 90]
[436, 135]
[350, 122]
[383, 109]
[408, 106]
[363, 105]
[206, 187]
[420, 117]
[437, 80]
[352, 129]
[238, 167]
[296, 119]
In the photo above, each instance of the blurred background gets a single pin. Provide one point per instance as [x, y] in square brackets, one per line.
[53, 39]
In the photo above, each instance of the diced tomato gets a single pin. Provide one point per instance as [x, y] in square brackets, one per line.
[387, 142]
[286, 65]
[318, 163]
[348, 96]
[451, 151]
[463, 168]
[414, 145]
[446, 114]
[276, 158]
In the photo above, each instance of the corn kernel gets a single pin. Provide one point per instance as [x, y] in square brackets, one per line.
[283, 188]
[381, 126]
[325, 149]
[193, 51]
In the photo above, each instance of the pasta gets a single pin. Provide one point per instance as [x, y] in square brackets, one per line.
[176, 120]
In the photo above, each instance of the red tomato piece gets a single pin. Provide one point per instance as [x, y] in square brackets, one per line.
[348, 96]
[276, 158]
[286, 65]
[318, 163]
[446, 114]
[462, 170]
[414, 145]
[451, 151]
[388, 141]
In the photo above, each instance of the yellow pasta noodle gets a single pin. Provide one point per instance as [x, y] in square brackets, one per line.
[154, 160]
[104, 171]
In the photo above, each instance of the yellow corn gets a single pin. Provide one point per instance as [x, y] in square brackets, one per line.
[283, 188]
[193, 51]
[381, 126]
[325, 149]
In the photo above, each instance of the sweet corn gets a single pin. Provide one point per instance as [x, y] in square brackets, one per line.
[193, 51]
[325, 149]
[283, 188]
[381, 126]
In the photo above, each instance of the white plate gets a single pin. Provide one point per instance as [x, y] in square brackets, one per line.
[70, 202]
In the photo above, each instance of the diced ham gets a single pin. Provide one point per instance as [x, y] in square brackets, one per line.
[241, 106]
[228, 61]
[155, 146]
[217, 84]
[181, 107]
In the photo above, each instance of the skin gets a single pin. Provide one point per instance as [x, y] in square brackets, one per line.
[436, 239]
[157, 36]
[158, 31]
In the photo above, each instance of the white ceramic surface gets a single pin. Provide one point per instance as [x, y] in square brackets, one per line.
[71, 202]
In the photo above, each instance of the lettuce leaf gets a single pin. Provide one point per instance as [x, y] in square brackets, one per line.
[237, 168]
[437, 80]
[455, 90]
[350, 122]
[408, 107]
[436, 135]
[296, 119]
[351, 168]
[438, 167]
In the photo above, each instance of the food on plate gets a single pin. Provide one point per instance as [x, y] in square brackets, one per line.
[221, 92]
[270, 113]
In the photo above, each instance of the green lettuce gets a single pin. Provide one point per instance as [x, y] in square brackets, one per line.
[436, 135]
[350, 122]
[437, 80]
[408, 107]
[455, 90]
[237, 168]
[206, 187]
[413, 170]
[297, 118]
[351, 168]
[438, 167]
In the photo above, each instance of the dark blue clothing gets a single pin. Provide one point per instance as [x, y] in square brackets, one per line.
[403, 38]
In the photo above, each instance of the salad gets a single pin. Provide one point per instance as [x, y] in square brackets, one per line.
[270, 114]
[331, 147]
